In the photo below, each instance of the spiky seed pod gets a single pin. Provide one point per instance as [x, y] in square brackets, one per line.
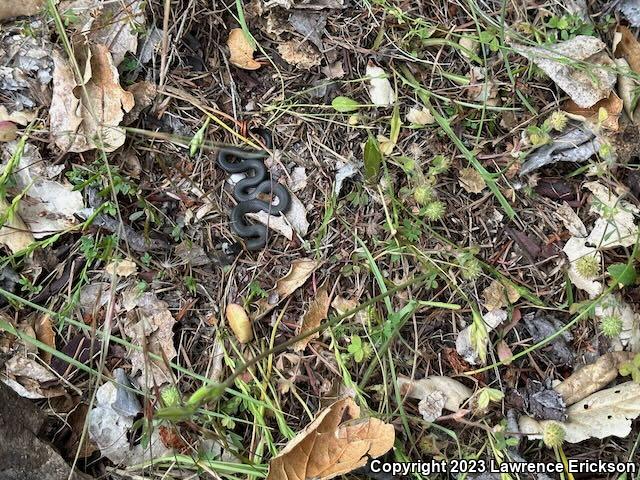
[553, 435]
[611, 326]
[588, 266]
[558, 121]
[170, 396]
[423, 194]
[435, 210]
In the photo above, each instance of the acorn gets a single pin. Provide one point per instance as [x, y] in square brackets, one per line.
[239, 322]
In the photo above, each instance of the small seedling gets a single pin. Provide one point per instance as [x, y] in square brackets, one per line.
[358, 349]
[487, 395]
[631, 368]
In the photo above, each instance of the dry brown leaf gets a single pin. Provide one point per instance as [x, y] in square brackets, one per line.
[584, 87]
[121, 268]
[335, 443]
[612, 104]
[241, 51]
[45, 334]
[471, 180]
[13, 232]
[592, 377]
[302, 55]
[143, 95]
[27, 376]
[434, 391]
[300, 271]
[117, 27]
[496, 295]
[629, 48]
[91, 121]
[113, 24]
[318, 310]
[149, 325]
[18, 8]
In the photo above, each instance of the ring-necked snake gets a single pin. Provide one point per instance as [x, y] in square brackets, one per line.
[246, 191]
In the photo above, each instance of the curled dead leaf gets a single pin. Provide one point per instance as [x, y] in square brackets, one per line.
[496, 295]
[239, 322]
[628, 48]
[318, 310]
[44, 333]
[302, 55]
[121, 268]
[592, 377]
[336, 442]
[612, 105]
[149, 325]
[300, 271]
[8, 131]
[241, 51]
[435, 391]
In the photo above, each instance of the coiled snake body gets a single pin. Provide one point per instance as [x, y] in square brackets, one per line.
[246, 191]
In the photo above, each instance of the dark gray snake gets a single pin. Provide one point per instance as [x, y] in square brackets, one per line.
[247, 190]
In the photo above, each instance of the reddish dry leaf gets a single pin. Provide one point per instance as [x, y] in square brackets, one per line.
[335, 443]
[613, 106]
[629, 48]
[318, 310]
[241, 51]
[44, 333]
[504, 352]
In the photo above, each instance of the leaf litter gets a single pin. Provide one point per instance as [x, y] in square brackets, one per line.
[129, 73]
[338, 441]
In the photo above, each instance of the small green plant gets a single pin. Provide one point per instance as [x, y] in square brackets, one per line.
[423, 194]
[478, 335]
[255, 292]
[567, 26]
[557, 121]
[198, 139]
[358, 349]
[345, 105]
[538, 136]
[622, 274]
[487, 395]
[28, 286]
[631, 368]
[170, 396]
[191, 284]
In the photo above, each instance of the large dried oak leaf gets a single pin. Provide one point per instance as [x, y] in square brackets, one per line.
[86, 113]
[335, 443]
